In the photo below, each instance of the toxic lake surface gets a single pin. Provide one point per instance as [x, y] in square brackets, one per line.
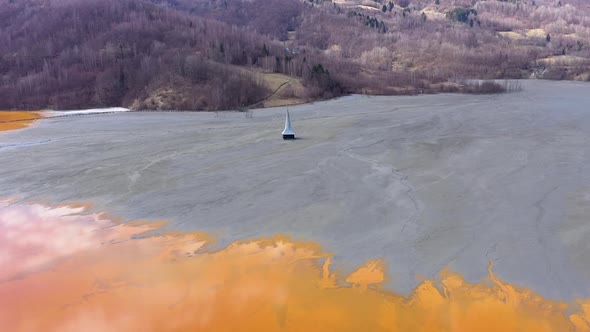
[424, 182]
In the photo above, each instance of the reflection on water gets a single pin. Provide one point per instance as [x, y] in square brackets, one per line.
[10, 120]
[66, 270]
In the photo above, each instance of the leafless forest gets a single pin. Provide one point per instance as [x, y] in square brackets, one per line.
[213, 54]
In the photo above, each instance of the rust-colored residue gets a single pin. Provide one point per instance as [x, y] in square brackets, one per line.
[63, 269]
[11, 120]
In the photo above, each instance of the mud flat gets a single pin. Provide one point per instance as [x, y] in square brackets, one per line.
[424, 182]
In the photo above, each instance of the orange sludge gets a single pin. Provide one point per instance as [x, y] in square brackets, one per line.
[64, 269]
[11, 120]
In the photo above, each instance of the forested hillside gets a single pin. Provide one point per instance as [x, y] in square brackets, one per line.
[214, 54]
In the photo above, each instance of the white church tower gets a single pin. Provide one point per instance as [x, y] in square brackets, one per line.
[288, 133]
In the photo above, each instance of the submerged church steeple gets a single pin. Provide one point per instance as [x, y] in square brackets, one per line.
[288, 132]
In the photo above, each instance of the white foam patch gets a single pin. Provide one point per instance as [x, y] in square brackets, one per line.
[89, 111]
